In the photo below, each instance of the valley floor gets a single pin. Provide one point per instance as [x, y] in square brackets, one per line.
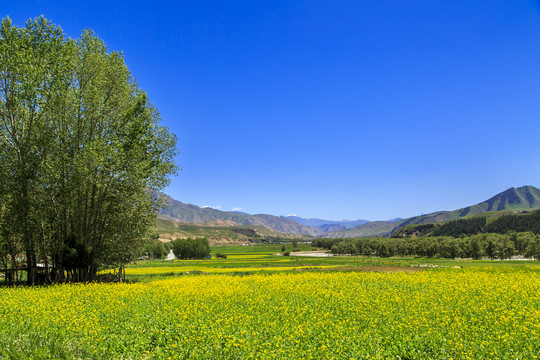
[283, 308]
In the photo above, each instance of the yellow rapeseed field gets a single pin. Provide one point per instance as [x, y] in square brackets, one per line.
[217, 270]
[439, 314]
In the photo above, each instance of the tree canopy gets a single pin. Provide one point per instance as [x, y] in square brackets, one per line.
[197, 248]
[82, 154]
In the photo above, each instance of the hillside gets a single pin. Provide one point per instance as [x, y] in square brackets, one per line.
[331, 227]
[178, 211]
[373, 228]
[526, 197]
[511, 200]
[219, 232]
[499, 222]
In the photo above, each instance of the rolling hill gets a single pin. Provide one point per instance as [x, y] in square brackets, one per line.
[513, 199]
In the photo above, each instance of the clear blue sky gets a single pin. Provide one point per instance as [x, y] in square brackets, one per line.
[332, 109]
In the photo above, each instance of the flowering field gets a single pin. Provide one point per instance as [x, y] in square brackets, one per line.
[217, 270]
[474, 313]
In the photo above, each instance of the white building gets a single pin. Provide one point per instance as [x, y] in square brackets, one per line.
[170, 256]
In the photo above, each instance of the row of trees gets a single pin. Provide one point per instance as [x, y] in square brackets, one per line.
[492, 246]
[81, 155]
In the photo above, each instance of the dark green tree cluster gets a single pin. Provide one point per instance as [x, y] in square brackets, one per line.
[461, 227]
[492, 246]
[519, 223]
[81, 155]
[155, 249]
[476, 225]
[197, 248]
[325, 243]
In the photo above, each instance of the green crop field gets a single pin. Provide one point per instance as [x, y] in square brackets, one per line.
[282, 308]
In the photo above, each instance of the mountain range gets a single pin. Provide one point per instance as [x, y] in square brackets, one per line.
[178, 211]
[320, 223]
[513, 199]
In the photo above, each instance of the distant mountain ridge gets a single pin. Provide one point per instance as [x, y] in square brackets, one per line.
[176, 210]
[525, 197]
[326, 224]
[521, 198]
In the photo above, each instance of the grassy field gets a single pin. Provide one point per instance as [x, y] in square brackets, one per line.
[281, 308]
[261, 258]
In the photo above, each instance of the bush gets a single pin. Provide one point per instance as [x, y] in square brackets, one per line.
[221, 256]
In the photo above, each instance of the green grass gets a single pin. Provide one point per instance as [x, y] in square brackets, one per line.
[261, 257]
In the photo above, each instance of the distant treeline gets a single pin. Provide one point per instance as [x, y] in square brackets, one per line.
[463, 227]
[486, 245]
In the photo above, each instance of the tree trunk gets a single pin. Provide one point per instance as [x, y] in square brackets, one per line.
[30, 267]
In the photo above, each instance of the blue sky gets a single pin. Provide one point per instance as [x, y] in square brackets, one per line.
[337, 110]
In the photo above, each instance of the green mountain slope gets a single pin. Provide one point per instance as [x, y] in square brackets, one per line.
[522, 198]
[513, 199]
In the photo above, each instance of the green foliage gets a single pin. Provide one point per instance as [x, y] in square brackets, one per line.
[324, 243]
[461, 227]
[155, 249]
[474, 246]
[519, 223]
[527, 222]
[533, 248]
[197, 248]
[81, 149]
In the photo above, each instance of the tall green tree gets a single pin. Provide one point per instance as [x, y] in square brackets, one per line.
[84, 152]
[31, 79]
